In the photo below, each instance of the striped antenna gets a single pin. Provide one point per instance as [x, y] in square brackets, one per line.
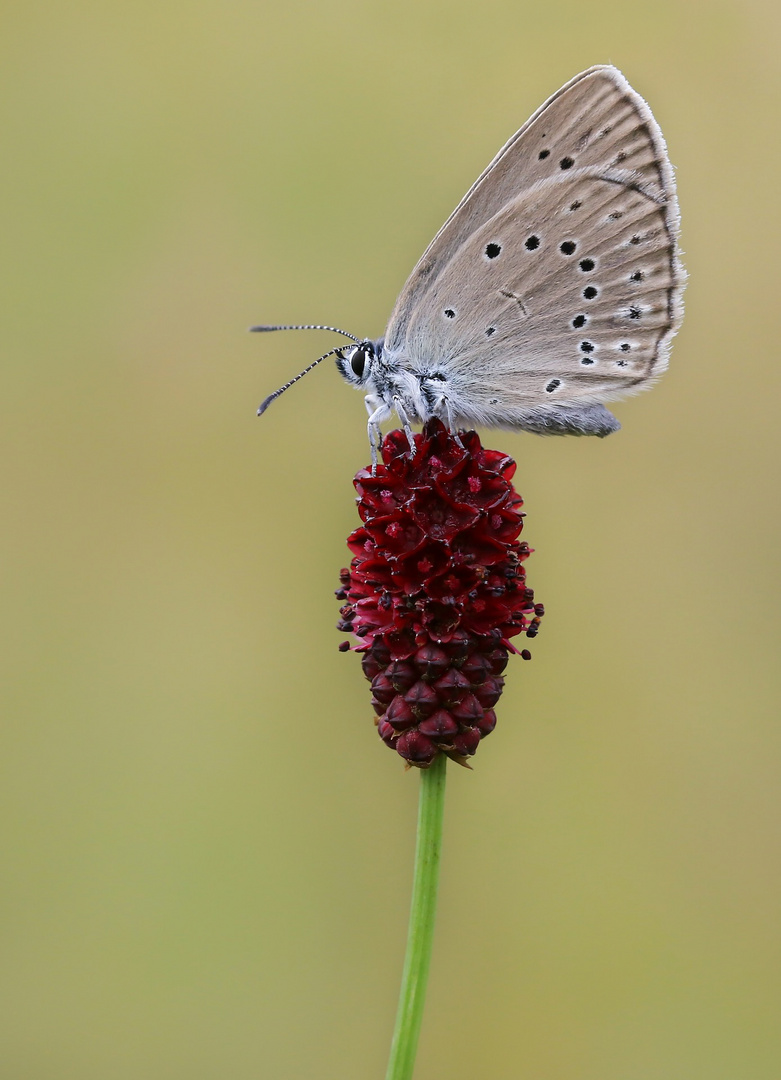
[282, 389]
[334, 329]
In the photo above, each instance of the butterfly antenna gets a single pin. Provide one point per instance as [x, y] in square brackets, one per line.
[282, 389]
[334, 329]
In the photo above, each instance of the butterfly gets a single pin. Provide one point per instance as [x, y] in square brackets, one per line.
[553, 287]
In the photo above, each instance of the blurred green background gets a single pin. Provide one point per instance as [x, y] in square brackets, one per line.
[206, 850]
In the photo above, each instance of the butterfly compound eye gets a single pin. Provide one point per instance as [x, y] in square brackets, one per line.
[358, 360]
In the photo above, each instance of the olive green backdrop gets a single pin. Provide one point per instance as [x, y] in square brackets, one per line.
[206, 853]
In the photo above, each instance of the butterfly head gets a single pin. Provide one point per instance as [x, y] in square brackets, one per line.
[358, 364]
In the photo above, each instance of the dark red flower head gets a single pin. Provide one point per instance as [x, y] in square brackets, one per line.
[436, 589]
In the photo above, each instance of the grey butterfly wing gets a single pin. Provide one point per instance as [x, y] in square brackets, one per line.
[555, 285]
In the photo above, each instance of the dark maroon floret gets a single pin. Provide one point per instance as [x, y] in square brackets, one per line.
[452, 686]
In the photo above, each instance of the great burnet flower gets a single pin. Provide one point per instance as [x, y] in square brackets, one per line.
[436, 589]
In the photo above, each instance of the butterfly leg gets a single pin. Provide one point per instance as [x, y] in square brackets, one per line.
[451, 424]
[397, 405]
[377, 413]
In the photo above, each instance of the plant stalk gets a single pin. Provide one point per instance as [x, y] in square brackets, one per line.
[420, 937]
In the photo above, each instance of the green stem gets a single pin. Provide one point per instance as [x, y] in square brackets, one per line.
[421, 921]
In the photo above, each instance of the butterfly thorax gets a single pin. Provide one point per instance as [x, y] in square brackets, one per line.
[390, 383]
